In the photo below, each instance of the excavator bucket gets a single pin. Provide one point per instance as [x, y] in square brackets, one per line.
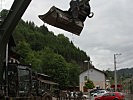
[62, 19]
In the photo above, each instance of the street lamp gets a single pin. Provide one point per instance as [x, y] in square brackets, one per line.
[86, 61]
[115, 75]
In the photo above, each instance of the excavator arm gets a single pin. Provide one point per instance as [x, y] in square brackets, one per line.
[6, 28]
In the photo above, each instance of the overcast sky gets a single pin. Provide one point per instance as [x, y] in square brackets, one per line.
[107, 33]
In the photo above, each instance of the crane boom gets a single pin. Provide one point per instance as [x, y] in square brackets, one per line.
[15, 13]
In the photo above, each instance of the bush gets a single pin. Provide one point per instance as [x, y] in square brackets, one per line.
[89, 84]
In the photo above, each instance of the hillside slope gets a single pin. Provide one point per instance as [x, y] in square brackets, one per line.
[50, 54]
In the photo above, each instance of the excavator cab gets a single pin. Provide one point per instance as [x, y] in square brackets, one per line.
[64, 19]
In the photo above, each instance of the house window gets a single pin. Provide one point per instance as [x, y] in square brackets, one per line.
[85, 78]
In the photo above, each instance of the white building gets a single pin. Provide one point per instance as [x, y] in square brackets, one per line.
[97, 76]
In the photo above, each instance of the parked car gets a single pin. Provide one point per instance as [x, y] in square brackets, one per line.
[73, 95]
[85, 96]
[99, 93]
[111, 96]
[92, 92]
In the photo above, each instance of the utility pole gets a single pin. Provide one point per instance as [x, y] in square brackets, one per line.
[6, 72]
[115, 71]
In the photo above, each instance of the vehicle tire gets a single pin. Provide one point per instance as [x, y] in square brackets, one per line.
[97, 99]
[95, 95]
[116, 99]
[84, 98]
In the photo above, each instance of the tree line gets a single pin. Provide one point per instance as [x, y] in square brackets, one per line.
[53, 55]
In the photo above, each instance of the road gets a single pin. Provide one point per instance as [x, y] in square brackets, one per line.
[128, 96]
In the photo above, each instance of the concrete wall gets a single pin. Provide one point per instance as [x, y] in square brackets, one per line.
[96, 76]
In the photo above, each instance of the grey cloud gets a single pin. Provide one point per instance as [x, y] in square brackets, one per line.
[108, 32]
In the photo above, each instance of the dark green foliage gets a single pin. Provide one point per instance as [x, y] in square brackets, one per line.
[73, 72]
[127, 73]
[89, 84]
[122, 75]
[4, 13]
[55, 66]
[53, 55]
[23, 49]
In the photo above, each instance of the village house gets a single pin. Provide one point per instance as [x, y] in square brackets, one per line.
[97, 76]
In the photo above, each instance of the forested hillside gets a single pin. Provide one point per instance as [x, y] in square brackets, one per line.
[125, 73]
[49, 54]
[122, 74]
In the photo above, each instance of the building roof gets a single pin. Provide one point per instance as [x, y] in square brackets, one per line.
[99, 70]
[92, 67]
